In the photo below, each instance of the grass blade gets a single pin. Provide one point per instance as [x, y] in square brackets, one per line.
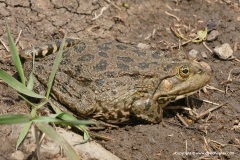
[51, 133]
[14, 119]
[57, 61]
[23, 133]
[66, 116]
[15, 56]
[65, 122]
[17, 85]
[31, 76]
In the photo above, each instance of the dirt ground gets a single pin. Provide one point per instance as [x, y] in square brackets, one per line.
[134, 22]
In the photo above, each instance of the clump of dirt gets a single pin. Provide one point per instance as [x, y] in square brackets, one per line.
[135, 22]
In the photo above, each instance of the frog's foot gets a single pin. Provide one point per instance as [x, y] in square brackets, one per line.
[147, 110]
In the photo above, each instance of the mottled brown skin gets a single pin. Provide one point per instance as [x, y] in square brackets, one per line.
[114, 82]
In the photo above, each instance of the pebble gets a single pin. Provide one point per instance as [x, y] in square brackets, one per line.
[193, 53]
[212, 36]
[224, 51]
[143, 46]
[18, 155]
[204, 54]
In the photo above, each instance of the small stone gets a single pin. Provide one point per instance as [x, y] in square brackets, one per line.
[224, 51]
[143, 46]
[236, 122]
[204, 54]
[212, 36]
[212, 24]
[18, 155]
[193, 53]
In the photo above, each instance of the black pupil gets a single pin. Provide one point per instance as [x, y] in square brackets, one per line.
[185, 70]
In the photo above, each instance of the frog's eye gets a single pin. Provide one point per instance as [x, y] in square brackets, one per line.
[184, 72]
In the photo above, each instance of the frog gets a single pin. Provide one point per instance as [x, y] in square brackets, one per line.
[116, 82]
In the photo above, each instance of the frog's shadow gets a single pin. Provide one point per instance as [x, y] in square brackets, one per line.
[179, 105]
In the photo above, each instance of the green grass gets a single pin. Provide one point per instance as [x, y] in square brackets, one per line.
[33, 118]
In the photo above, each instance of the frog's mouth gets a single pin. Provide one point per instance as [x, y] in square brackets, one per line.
[177, 87]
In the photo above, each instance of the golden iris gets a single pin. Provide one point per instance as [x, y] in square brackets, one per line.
[184, 71]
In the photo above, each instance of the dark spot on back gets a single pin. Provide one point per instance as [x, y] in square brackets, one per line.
[66, 61]
[114, 92]
[104, 46]
[39, 68]
[103, 54]
[110, 74]
[139, 53]
[58, 42]
[167, 67]
[122, 66]
[154, 63]
[156, 55]
[121, 46]
[85, 82]
[66, 54]
[99, 82]
[63, 88]
[176, 60]
[86, 57]
[80, 47]
[143, 65]
[102, 65]
[78, 69]
[125, 59]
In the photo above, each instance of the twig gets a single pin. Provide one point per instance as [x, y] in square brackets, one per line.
[207, 101]
[151, 35]
[101, 12]
[229, 79]
[205, 45]
[207, 148]
[4, 45]
[238, 60]
[214, 88]
[181, 119]
[209, 110]
[177, 107]
[178, 19]
[113, 4]
[229, 75]
[18, 37]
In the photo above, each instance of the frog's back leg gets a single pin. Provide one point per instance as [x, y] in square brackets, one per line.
[50, 48]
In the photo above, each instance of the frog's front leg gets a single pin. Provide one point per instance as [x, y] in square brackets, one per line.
[147, 109]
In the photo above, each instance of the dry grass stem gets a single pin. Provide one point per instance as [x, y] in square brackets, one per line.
[113, 4]
[19, 35]
[181, 119]
[214, 88]
[205, 45]
[101, 12]
[178, 19]
[209, 110]
[207, 101]
[4, 45]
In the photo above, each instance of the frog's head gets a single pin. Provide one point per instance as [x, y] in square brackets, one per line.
[184, 80]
